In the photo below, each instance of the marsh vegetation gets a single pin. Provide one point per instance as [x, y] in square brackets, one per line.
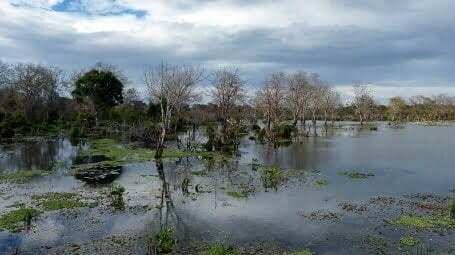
[277, 172]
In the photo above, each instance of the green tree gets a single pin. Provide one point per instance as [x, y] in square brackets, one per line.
[101, 87]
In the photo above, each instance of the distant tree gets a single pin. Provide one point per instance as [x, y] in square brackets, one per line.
[271, 99]
[131, 96]
[228, 91]
[298, 95]
[363, 102]
[102, 88]
[397, 108]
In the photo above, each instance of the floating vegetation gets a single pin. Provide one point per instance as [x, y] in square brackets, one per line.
[272, 177]
[426, 222]
[200, 173]
[355, 175]
[237, 194]
[322, 182]
[23, 174]
[101, 172]
[16, 220]
[217, 249]
[408, 241]
[122, 154]
[164, 241]
[58, 201]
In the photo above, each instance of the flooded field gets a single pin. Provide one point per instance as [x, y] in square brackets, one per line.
[347, 191]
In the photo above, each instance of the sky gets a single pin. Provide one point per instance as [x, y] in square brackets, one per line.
[399, 48]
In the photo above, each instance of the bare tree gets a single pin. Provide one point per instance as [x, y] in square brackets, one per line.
[363, 102]
[130, 96]
[298, 95]
[37, 88]
[334, 105]
[316, 97]
[271, 98]
[228, 91]
[172, 87]
[397, 107]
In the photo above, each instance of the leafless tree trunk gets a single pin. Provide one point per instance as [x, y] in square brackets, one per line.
[228, 91]
[172, 87]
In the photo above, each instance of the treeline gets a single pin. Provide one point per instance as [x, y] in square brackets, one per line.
[37, 99]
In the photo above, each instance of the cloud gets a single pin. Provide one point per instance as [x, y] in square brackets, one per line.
[389, 44]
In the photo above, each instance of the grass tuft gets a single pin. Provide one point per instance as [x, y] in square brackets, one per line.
[12, 220]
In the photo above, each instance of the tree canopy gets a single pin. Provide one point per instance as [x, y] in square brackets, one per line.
[103, 88]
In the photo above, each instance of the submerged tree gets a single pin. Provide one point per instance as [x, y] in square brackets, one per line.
[271, 99]
[228, 92]
[298, 95]
[363, 102]
[397, 108]
[172, 87]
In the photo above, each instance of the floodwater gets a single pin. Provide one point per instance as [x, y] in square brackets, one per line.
[404, 161]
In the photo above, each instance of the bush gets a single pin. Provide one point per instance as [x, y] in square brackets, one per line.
[164, 241]
[283, 131]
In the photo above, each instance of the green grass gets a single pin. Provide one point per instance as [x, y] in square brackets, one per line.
[126, 154]
[408, 241]
[54, 205]
[217, 249]
[200, 173]
[355, 175]
[237, 194]
[14, 221]
[54, 196]
[322, 182]
[305, 252]
[58, 201]
[22, 174]
[426, 222]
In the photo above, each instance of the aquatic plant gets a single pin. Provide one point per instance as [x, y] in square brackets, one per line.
[217, 249]
[164, 241]
[23, 174]
[184, 185]
[452, 209]
[117, 191]
[408, 241]
[322, 182]
[442, 221]
[355, 175]
[200, 173]
[255, 164]
[237, 194]
[12, 220]
[272, 177]
[58, 201]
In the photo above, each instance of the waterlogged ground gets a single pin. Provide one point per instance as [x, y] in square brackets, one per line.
[347, 191]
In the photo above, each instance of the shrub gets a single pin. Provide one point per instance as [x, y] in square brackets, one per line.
[283, 131]
[164, 241]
